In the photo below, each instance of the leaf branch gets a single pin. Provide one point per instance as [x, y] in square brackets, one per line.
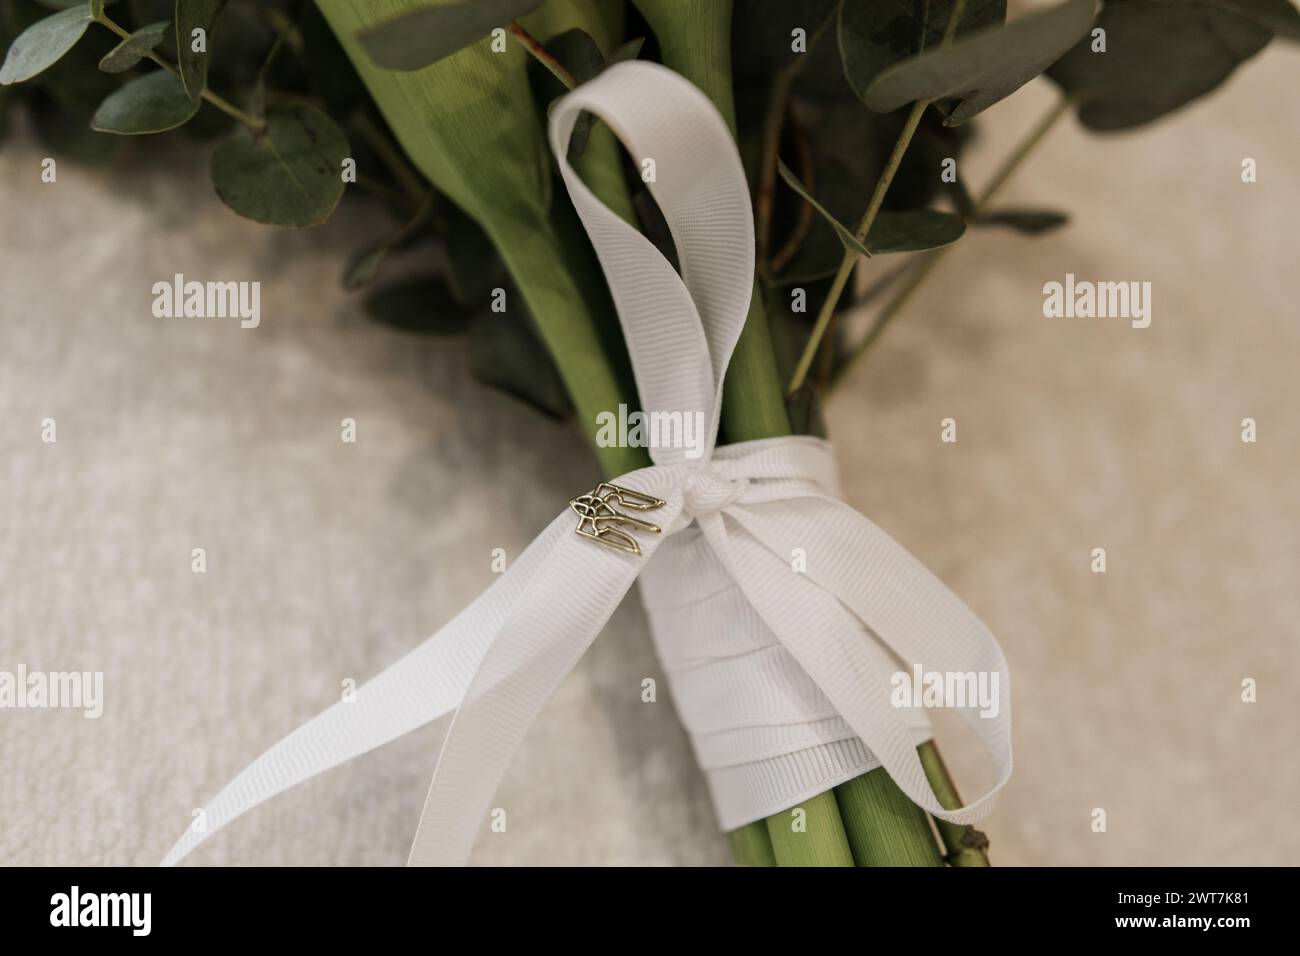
[850, 259]
[220, 102]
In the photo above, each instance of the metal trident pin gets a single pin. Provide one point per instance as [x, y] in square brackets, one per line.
[598, 519]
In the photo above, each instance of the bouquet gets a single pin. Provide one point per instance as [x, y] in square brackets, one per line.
[843, 121]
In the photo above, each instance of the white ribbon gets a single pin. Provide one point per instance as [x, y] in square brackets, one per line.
[781, 676]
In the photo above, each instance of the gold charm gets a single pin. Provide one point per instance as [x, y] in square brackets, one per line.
[597, 517]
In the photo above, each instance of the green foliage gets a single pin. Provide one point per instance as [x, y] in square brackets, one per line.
[1160, 55]
[134, 48]
[288, 174]
[842, 232]
[424, 36]
[874, 36]
[43, 44]
[150, 103]
[507, 353]
[194, 15]
[985, 66]
[423, 306]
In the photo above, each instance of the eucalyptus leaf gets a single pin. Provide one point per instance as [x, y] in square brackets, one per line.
[913, 230]
[287, 174]
[986, 65]
[1159, 56]
[506, 353]
[147, 104]
[134, 48]
[877, 34]
[42, 44]
[422, 305]
[1030, 222]
[1279, 17]
[194, 15]
[414, 40]
[845, 234]
[363, 265]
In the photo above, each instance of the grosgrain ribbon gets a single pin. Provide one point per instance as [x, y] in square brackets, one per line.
[797, 712]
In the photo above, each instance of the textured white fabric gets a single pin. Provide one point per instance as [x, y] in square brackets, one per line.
[781, 675]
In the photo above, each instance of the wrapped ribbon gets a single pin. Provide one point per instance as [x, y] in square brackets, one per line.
[781, 671]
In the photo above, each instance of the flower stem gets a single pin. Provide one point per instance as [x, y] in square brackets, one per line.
[751, 845]
[814, 838]
[884, 827]
[220, 102]
[1000, 177]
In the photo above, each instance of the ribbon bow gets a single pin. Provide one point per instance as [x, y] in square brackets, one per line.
[862, 605]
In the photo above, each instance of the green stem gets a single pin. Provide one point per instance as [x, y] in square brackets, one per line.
[814, 838]
[873, 208]
[966, 846]
[695, 41]
[220, 102]
[884, 827]
[1000, 177]
[851, 258]
[751, 845]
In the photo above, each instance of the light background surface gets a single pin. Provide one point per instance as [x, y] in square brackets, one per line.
[328, 560]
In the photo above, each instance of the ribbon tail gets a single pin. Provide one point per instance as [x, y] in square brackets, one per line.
[567, 604]
[427, 683]
[820, 616]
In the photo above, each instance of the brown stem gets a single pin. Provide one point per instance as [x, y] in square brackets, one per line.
[543, 56]
[803, 225]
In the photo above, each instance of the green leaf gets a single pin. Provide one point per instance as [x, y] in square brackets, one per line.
[627, 52]
[147, 104]
[845, 234]
[194, 15]
[417, 39]
[877, 34]
[1031, 222]
[364, 265]
[579, 54]
[986, 65]
[421, 305]
[507, 353]
[913, 230]
[134, 48]
[1279, 17]
[473, 267]
[42, 44]
[286, 174]
[1159, 56]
